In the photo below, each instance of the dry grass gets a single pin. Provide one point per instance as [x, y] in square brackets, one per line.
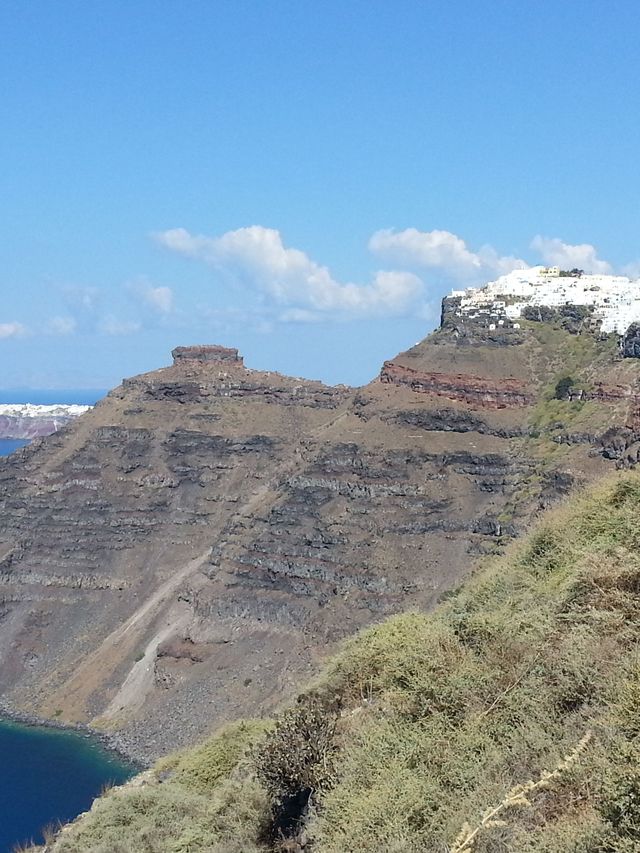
[469, 716]
[203, 799]
[492, 690]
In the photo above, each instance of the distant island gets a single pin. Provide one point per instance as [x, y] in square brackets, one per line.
[28, 421]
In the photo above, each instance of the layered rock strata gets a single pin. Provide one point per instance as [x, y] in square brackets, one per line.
[211, 354]
[188, 550]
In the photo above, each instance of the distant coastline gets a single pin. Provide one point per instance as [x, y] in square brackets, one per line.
[28, 413]
[107, 740]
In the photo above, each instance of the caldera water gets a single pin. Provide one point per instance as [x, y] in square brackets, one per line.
[48, 776]
[8, 445]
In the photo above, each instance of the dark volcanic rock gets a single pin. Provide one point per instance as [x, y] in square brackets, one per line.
[206, 355]
[572, 318]
[453, 420]
[186, 552]
[631, 342]
[473, 330]
[621, 444]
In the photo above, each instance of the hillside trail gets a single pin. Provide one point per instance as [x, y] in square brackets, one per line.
[95, 670]
[266, 494]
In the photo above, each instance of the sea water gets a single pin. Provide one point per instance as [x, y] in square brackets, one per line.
[48, 397]
[8, 445]
[49, 776]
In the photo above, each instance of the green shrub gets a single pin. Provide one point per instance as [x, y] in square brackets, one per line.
[620, 806]
[544, 551]
[563, 387]
[295, 763]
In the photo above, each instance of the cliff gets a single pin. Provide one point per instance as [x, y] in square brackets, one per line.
[189, 550]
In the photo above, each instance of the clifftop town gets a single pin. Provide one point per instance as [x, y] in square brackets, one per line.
[612, 303]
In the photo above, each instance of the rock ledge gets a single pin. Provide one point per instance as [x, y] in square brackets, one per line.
[210, 353]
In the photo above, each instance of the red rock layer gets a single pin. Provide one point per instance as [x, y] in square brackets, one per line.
[473, 390]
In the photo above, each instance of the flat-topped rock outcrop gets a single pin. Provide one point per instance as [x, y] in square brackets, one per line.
[207, 354]
[188, 550]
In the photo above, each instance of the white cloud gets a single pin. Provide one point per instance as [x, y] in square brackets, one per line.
[62, 325]
[294, 288]
[567, 256]
[86, 298]
[181, 241]
[300, 315]
[110, 325]
[159, 299]
[443, 251]
[258, 257]
[12, 330]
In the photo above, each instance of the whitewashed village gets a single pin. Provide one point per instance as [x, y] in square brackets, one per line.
[613, 300]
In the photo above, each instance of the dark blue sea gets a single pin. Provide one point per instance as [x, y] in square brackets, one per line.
[46, 397]
[48, 776]
[8, 445]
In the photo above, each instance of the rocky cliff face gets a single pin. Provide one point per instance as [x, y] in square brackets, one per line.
[189, 549]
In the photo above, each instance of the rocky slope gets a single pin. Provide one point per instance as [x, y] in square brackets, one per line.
[186, 552]
[504, 720]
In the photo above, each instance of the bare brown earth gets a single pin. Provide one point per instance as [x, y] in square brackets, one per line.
[188, 551]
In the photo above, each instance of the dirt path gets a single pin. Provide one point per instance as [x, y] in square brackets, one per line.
[141, 679]
[96, 670]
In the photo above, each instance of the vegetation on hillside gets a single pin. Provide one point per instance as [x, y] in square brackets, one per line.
[570, 367]
[507, 720]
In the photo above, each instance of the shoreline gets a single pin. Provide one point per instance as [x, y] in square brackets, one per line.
[108, 741]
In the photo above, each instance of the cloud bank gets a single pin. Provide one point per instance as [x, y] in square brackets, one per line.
[444, 252]
[567, 256]
[303, 288]
[294, 288]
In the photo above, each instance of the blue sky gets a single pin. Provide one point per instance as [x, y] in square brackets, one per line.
[302, 180]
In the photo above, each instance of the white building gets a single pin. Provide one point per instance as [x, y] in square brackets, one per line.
[614, 298]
